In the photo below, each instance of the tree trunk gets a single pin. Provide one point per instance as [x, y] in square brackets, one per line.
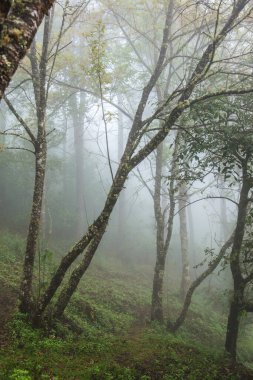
[33, 232]
[157, 295]
[40, 145]
[223, 210]
[233, 323]
[182, 203]
[192, 237]
[122, 197]
[78, 124]
[19, 23]
[162, 239]
[173, 327]
[91, 238]
[97, 234]
[239, 284]
[76, 276]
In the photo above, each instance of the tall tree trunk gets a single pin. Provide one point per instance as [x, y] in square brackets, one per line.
[223, 210]
[163, 235]
[192, 237]
[122, 197]
[236, 307]
[157, 295]
[33, 232]
[39, 84]
[182, 203]
[239, 283]
[78, 113]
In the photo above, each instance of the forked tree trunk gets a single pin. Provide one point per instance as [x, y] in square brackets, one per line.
[163, 231]
[90, 242]
[97, 233]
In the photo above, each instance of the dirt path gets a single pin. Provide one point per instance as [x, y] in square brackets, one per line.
[8, 301]
[142, 317]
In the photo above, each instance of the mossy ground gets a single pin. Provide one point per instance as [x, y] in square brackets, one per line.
[109, 336]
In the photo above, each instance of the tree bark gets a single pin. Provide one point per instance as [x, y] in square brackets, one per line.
[182, 203]
[33, 232]
[223, 209]
[162, 240]
[157, 295]
[40, 145]
[19, 23]
[236, 307]
[78, 113]
[211, 267]
[97, 234]
[91, 238]
[238, 280]
[122, 197]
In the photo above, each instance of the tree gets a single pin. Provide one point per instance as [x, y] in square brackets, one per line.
[137, 148]
[132, 157]
[40, 76]
[222, 129]
[19, 21]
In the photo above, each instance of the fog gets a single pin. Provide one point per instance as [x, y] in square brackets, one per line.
[143, 167]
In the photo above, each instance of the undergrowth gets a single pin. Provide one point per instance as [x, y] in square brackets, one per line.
[114, 338]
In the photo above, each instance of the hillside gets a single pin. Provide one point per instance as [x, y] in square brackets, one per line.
[106, 333]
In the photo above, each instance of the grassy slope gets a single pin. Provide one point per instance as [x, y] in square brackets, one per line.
[116, 340]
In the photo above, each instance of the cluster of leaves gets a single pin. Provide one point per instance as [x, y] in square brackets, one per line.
[218, 136]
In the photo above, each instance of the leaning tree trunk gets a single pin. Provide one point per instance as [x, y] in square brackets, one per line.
[239, 284]
[97, 232]
[90, 242]
[173, 327]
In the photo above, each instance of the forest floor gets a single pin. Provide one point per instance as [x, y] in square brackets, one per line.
[107, 334]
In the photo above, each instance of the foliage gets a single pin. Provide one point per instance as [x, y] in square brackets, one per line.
[106, 335]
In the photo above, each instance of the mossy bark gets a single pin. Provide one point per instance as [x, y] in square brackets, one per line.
[19, 21]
